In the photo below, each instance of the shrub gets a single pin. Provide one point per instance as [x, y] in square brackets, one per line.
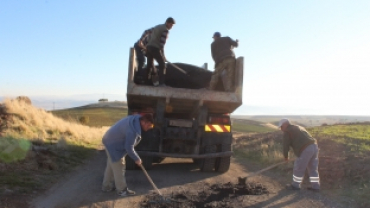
[84, 120]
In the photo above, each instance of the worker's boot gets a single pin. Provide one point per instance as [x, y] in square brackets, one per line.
[291, 187]
[126, 192]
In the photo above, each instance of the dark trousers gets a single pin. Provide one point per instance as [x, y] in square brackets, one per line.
[140, 57]
[155, 53]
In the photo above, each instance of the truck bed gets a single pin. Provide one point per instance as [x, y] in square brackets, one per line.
[181, 100]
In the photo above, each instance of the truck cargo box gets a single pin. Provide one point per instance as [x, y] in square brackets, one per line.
[181, 100]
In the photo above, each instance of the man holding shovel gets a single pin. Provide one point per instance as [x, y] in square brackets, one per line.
[307, 152]
[140, 51]
[155, 50]
[120, 141]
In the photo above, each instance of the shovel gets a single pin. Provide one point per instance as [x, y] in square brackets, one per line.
[243, 179]
[150, 180]
[155, 77]
[178, 68]
[163, 200]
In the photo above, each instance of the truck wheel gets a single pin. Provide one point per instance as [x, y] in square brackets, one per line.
[147, 161]
[196, 161]
[130, 164]
[223, 163]
[208, 164]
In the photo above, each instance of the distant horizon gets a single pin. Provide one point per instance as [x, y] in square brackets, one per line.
[60, 102]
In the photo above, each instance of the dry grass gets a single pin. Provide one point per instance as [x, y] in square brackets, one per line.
[37, 147]
[265, 148]
[29, 122]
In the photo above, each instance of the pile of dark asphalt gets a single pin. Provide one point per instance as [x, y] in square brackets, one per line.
[225, 195]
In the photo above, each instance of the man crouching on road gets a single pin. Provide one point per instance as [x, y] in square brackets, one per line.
[307, 152]
[119, 141]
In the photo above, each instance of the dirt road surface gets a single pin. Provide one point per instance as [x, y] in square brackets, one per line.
[82, 187]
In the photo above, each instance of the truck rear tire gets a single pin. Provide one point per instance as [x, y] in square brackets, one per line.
[208, 164]
[130, 163]
[196, 161]
[223, 163]
[147, 161]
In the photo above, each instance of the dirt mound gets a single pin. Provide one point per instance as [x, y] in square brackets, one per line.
[216, 196]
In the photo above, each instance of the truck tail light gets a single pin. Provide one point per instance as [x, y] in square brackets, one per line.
[224, 120]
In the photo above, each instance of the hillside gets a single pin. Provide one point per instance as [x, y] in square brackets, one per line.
[250, 126]
[36, 147]
[97, 114]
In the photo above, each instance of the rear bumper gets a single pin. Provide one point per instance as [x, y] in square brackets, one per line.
[208, 155]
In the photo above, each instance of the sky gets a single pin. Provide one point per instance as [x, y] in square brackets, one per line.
[300, 57]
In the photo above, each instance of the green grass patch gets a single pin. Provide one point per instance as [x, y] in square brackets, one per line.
[249, 126]
[97, 117]
[357, 131]
[355, 136]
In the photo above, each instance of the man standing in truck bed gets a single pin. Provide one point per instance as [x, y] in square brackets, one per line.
[155, 49]
[224, 57]
[140, 51]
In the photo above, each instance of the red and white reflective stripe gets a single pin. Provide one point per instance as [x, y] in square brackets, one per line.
[297, 179]
[314, 179]
[217, 128]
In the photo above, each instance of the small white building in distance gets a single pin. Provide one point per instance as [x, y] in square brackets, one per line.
[103, 100]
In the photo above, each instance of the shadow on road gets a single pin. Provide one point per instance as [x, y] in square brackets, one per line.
[82, 188]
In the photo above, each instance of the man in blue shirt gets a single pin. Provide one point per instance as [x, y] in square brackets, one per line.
[120, 141]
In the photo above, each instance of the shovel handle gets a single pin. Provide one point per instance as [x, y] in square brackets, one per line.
[268, 168]
[150, 180]
[178, 68]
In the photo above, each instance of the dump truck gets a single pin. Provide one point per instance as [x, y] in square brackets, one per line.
[188, 123]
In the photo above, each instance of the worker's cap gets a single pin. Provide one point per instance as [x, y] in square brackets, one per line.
[170, 20]
[283, 121]
[216, 34]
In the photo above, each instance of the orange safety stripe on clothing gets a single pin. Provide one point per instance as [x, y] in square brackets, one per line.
[217, 128]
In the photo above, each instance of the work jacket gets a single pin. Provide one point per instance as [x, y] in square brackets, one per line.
[221, 48]
[122, 137]
[298, 138]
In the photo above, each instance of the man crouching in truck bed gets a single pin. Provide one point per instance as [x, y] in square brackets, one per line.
[119, 141]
